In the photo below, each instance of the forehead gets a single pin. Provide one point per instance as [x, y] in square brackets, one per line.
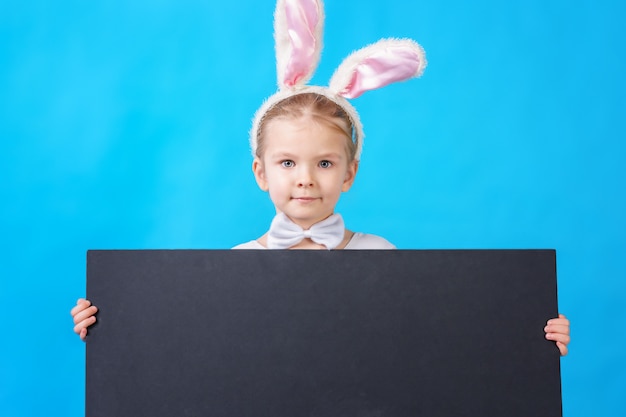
[304, 134]
[307, 118]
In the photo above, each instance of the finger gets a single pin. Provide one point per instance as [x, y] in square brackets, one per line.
[558, 325]
[558, 338]
[83, 334]
[85, 314]
[562, 348]
[556, 328]
[78, 329]
[81, 304]
[560, 320]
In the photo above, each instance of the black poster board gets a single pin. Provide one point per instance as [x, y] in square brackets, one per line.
[253, 333]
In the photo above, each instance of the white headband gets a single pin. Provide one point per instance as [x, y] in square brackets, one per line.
[298, 26]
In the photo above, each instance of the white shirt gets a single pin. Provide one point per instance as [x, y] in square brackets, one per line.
[358, 241]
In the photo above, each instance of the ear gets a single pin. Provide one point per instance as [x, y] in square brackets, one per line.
[353, 167]
[298, 26]
[384, 62]
[259, 174]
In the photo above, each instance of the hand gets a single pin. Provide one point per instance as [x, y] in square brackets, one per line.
[83, 314]
[557, 330]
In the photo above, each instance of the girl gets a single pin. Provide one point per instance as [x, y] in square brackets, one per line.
[306, 142]
[305, 158]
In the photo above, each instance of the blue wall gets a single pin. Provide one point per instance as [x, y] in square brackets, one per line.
[124, 125]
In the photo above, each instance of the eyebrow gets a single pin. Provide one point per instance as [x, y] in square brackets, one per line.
[331, 155]
[280, 155]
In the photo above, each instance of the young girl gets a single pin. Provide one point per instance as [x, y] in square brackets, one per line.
[306, 143]
[305, 158]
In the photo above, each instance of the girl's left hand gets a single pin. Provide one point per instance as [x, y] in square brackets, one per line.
[557, 330]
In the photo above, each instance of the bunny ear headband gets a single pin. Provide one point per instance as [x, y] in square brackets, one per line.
[298, 35]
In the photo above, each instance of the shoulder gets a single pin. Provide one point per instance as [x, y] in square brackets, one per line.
[253, 244]
[367, 241]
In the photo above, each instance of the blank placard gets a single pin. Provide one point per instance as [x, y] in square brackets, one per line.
[254, 333]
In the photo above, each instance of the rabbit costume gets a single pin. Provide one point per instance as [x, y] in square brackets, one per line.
[298, 26]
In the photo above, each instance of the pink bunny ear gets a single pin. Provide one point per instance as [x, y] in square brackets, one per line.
[298, 28]
[377, 65]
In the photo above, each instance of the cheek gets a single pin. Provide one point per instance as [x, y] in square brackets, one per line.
[334, 185]
[276, 181]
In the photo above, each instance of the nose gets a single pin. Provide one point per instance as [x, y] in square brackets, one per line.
[305, 178]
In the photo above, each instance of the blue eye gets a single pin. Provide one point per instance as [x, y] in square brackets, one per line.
[325, 164]
[287, 163]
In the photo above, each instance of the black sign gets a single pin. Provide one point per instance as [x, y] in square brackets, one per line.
[271, 333]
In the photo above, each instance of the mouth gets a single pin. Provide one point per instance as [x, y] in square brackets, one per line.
[304, 199]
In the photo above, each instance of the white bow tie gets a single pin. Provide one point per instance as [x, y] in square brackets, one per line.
[284, 233]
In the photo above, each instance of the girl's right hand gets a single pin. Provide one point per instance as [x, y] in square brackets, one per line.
[84, 316]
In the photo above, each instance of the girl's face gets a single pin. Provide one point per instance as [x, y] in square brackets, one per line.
[305, 168]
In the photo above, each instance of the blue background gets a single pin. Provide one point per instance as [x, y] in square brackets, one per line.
[124, 125]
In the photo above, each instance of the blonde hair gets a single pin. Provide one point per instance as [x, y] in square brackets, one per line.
[311, 105]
